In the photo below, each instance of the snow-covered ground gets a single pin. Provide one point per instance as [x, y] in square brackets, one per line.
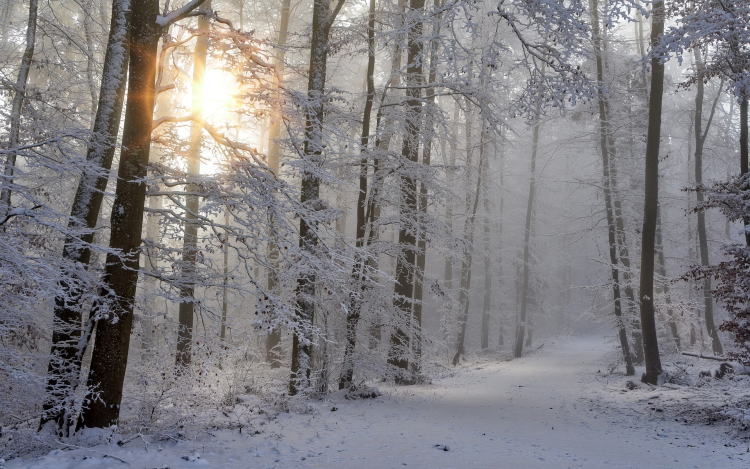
[555, 408]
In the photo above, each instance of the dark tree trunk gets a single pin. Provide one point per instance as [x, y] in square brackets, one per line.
[113, 310]
[401, 340]
[744, 153]
[700, 139]
[359, 272]
[648, 233]
[183, 357]
[323, 17]
[607, 163]
[66, 353]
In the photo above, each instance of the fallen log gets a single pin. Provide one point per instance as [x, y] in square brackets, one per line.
[707, 357]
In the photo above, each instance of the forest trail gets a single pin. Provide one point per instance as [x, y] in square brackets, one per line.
[551, 409]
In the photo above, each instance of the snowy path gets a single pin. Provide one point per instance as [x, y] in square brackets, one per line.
[547, 410]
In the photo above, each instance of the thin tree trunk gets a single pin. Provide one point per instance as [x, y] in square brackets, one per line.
[653, 139]
[401, 339]
[608, 183]
[463, 294]
[273, 340]
[501, 327]
[448, 267]
[66, 353]
[323, 17]
[662, 271]
[426, 161]
[113, 310]
[700, 139]
[16, 107]
[224, 289]
[487, 301]
[521, 331]
[744, 153]
[359, 272]
[183, 357]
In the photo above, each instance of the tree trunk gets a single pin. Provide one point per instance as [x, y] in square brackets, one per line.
[359, 272]
[521, 331]
[323, 17]
[608, 183]
[487, 303]
[113, 310]
[224, 289]
[183, 357]
[16, 107]
[426, 161]
[469, 229]
[66, 354]
[648, 233]
[273, 341]
[401, 340]
[700, 139]
[744, 153]
[448, 267]
[662, 271]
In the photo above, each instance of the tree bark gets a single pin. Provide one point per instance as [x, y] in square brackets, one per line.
[662, 271]
[16, 107]
[359, 272]
[648, 233]
[744, 153]
[273, 341]
[469, 229]
[183, 357]
[608, 183]
[66, 353]
[323, 18]
[487, 300]
[113, 310]
[700, 139]
[401, 340]
[521, 331]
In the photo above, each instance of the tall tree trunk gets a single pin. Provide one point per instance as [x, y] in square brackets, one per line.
[448, 267]
[469, 229]
[66, 354]
[224, 289]
[323, 17]
[700, 139]
[521, 327]
[487, 301]
[648, 233]
[501, 318]
[359, 272]
[607, 163]
[273, 341]
[662, 271]
[16, 107]
[113, 310]
[401, 340]
[183, 357]
[744, 152]
[426, 161]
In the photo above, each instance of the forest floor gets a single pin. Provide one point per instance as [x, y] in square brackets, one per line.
[558, 407]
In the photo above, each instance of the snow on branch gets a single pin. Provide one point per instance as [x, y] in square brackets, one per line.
[178, 14]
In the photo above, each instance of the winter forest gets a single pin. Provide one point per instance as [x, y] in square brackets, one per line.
[374, 233]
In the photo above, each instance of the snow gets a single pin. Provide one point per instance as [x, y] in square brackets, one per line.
[555, 408]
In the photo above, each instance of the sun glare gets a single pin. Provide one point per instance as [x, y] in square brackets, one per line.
[219, 101]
